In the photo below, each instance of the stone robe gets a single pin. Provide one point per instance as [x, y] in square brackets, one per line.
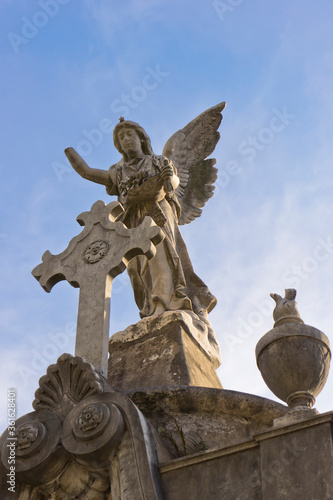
[168, 278]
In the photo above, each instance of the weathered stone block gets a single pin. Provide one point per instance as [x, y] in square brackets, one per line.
[169, 350]
[191, 419]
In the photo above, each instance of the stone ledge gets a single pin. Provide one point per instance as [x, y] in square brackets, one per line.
[221, 418]
[204, 456]
[310, 421]
[285, 463]
[221, 402]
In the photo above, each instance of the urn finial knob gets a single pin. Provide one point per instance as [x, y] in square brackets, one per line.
[286, 308]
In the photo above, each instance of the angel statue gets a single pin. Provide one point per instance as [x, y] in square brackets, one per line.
[171, 189]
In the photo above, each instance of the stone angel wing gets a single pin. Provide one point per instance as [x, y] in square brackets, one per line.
[188, 149]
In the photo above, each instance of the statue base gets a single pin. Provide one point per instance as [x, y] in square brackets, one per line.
[84, 440]
[173, 349]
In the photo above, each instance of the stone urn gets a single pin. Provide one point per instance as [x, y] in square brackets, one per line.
[293, 358]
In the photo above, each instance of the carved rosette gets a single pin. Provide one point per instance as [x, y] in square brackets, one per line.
[93, 428]
[35, 446]
[30, 437]
[96, 251]
[92, 416]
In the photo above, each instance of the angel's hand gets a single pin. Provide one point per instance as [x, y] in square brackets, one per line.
[167, 172]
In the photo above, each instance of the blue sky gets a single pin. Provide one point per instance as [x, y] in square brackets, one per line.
[71, 68]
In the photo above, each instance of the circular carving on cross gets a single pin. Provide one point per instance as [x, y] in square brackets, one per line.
[96, 251]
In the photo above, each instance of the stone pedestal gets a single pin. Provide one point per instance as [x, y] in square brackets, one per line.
[192, 419]
[292, 462]
[296, 460]
[85, 440]
[174, 349]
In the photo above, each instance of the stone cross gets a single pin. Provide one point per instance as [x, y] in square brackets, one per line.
[91, 261]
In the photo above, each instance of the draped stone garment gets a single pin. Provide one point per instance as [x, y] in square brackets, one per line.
[168, 278]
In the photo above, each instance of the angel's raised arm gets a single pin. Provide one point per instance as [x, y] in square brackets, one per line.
[81, 167]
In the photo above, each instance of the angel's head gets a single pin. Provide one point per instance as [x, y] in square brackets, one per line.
[130, 134]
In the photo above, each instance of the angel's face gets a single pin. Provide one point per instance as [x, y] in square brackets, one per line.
[130, 142]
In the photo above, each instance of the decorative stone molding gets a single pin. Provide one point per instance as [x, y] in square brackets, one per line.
[91, 417]
[82, 437]
[37, 444]
[93, 429]
[66, 383]
[27, 434]
[122, 438]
